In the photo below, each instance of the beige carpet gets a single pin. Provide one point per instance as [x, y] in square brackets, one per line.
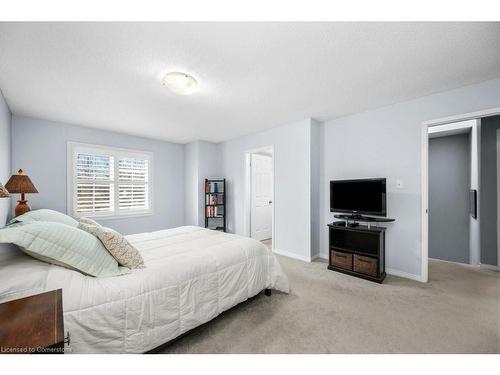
[458, 311]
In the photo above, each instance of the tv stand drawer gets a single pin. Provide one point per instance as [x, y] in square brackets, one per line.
[366, 265]
[341, 260]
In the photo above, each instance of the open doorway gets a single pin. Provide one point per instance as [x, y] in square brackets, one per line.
[260, 195]
[450, 198]
[485, 179]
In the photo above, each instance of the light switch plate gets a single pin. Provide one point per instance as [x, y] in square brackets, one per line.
[399, 184]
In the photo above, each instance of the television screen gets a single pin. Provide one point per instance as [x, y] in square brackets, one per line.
[358, 196]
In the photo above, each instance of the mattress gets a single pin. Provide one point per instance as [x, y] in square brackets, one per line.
[192, 275]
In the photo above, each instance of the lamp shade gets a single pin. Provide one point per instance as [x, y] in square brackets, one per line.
[20, 183]
[4, 193]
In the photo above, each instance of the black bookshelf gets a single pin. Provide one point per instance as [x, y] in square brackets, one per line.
[215, 204]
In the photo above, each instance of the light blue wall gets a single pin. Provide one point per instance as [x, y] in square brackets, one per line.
[315, 187]
[5, 152]
[386, 142]
[40, 148]
[5, 157]
[201, 162]
[292, 173]
[191, 183]
[207, 168]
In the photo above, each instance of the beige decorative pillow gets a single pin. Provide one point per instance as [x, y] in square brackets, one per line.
[86, 220]
[117, 245]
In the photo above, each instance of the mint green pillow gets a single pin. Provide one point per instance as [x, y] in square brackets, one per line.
[63, 245]
[45, 215]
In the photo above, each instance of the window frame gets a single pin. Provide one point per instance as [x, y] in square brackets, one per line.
[117, 153]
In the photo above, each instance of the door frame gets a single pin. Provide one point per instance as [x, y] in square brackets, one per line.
[248, 189]
[498, 198]
[470, 128]
[424, 177]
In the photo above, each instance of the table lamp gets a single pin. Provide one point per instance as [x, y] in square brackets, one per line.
[21, 184]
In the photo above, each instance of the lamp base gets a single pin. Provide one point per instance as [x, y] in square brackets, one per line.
[22, 207]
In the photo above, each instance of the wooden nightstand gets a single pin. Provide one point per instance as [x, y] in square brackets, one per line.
[32, 324]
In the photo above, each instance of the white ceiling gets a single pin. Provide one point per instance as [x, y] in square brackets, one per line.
[253, 76]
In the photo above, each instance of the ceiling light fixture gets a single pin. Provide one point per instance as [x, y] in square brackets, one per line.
[180, 83]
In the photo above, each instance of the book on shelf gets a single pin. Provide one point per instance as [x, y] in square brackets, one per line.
[214, 186]
[214, 199]
[215, 211]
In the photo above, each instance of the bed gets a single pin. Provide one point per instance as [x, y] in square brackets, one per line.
[192, 275]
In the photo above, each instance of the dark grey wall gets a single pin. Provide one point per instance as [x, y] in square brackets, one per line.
[449, 182]
[488, 186]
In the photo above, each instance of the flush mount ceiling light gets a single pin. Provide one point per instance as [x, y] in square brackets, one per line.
[180, 83]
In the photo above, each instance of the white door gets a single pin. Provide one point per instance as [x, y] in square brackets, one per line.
[262, 193]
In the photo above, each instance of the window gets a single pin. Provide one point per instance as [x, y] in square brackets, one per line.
[105, 181]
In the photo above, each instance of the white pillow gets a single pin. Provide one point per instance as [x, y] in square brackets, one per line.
[45, 214]
[63, 245]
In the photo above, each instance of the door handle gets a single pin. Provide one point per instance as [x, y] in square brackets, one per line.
[270, 202]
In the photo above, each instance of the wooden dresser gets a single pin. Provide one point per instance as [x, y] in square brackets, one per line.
[32, 324]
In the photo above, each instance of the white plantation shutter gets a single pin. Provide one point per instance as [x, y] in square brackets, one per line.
[109, 182]
[94, 183]
[133, 184]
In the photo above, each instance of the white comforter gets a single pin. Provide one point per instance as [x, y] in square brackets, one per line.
[191, 276]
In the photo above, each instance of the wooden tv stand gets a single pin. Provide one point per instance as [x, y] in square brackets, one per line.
[358, 251]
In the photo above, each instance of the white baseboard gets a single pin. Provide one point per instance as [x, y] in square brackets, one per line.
[489, 267]
[292, 255]
[323, 256]
[316, 256]
[481, 265]
[451, 262]
[403, 274]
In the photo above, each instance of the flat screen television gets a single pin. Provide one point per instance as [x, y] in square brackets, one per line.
[357, 197]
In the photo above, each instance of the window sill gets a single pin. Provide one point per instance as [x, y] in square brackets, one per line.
[116, 217]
